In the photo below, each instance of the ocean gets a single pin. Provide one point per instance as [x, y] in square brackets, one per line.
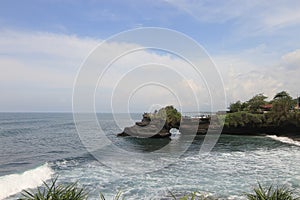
[37, 147]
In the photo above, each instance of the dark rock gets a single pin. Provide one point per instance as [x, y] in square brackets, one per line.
[142, 123]
[148, 131]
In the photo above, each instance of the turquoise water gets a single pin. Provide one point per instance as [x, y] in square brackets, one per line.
[37, 146]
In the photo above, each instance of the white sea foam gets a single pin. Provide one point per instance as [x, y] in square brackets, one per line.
[15, 183]
[284, 140]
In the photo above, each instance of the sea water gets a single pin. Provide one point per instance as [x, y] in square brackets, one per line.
[37, 147]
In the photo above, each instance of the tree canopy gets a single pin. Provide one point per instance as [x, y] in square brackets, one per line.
[171, 116]
[256, 102]
[253, 105]
[282, 103]
[250, 112]
[282, 95]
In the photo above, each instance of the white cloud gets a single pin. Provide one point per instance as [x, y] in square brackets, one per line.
[38, 72]
[250, 17]
[292, 59]
[159, 79]
[280, 14]
[38, 69]
[248, 73]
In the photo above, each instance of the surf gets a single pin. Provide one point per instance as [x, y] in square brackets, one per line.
[14, 183]
[284, 140]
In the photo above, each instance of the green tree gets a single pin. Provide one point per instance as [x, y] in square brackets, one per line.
[256, 102]
[235, 107]
[282, 103]
[171, 116]
[245, 106]
[281, 95]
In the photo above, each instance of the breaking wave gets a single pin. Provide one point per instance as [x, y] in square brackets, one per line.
[14, 183]
[284, 140]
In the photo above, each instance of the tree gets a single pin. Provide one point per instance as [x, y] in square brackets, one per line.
[281, 95]
[282, 103]
[235, 107]
[256, 102]
[171, 116]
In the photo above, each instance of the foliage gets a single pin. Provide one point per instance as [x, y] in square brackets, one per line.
[280, 113]
[235, 107]
[249, 113]
[246, 119]
[56, 192]
[192, 196]
[281, 95]
[271, 193]
[282, 104]
[295, 102]
[256, 102]
[171, 116]
[253, 105]
[117, 197]
[241, 119]
[72, 192]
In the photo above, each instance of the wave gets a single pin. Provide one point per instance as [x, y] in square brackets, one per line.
[284, 140]
[14, 183]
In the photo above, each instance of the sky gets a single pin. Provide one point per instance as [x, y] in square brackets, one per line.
[254, 44]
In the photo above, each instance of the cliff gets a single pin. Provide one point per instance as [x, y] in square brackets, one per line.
[247, 125]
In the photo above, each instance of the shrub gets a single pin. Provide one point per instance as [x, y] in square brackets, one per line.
[117, 197]
[171, 116]
[56, 192]
[270, 193]
[192, 196]
[242, 119]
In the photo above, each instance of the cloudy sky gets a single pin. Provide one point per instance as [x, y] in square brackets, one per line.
[254, 44]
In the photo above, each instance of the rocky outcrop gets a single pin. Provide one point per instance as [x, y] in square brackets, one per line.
[149, 131]
[155, 125]
[147, 128]
[157, 129]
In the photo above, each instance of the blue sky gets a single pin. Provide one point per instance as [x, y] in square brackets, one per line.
[255, 44]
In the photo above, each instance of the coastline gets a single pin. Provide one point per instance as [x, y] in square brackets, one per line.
[287, 130]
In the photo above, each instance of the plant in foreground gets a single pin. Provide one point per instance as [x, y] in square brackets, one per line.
[56, 192]
[117, 197]
[271, 193]
[192, 196]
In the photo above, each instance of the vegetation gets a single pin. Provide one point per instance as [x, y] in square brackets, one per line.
[282, 104]
[271, 193]
[253, 105]
[72, 192]
[117, 197]
[192, 196]
[56, 192]
[236, 107]
[243, 118]
[169, 114]
[256, 102]
[257, 112]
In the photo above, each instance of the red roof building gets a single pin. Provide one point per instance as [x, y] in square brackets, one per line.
[266, 107]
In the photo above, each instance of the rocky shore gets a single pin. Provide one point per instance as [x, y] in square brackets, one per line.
[156, 129]
[147, 128]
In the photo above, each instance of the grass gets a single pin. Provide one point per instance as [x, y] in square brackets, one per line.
[56, 191]
[271, 193]
[117, 197]
[192, 196]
